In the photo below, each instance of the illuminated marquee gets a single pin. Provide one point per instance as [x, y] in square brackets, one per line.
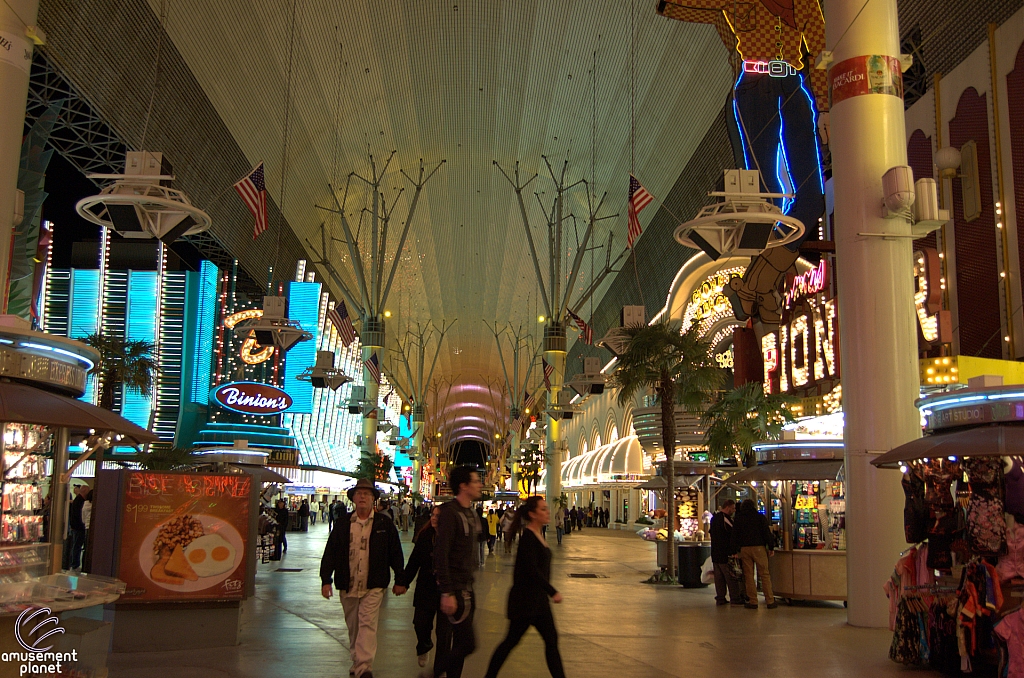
[708, 304]
[928, 293]
[251, 353]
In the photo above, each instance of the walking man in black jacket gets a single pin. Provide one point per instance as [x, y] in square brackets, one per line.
[721, 552]
[358, 556]
[754, 540]
[455, 560]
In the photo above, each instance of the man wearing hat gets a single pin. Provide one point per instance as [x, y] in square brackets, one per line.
[357, 557]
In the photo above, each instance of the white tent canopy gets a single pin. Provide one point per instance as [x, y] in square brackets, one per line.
[617, 462]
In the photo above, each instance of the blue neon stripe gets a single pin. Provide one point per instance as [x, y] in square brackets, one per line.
[83, 314]
[814, 122]
[140, 325]
[303, 306]
[206, 313]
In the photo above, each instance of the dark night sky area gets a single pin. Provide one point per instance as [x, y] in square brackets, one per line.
[66, 186]
[469, 452]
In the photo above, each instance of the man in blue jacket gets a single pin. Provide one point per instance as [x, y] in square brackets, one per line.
[357, 558]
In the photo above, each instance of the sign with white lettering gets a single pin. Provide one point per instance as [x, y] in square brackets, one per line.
[975, 413]
[250, 397]
[16, 50]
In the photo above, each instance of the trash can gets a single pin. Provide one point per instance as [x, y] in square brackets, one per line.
[691, 559]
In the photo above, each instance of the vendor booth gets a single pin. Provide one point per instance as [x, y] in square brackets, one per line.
[691, 537]
[964, 519]
[800, 486]
[41, 376]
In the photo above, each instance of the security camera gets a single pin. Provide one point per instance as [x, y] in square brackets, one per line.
[591, 382]
[566, 411]
[272, 328]
[616, 341]
[356, 399]
[323, 374]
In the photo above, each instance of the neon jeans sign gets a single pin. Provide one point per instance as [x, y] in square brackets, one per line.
[774, 68]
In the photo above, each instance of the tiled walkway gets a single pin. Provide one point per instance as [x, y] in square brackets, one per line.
[611, 627]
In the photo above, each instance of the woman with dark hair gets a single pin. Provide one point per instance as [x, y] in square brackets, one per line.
[531, 587]
[752, 538]
[426, 601]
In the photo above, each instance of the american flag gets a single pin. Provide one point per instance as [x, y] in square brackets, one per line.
[530, 400]
[586, 331]
[548, 369]
[639, 198]
[253, 190]
[374, 367]
[342, 322]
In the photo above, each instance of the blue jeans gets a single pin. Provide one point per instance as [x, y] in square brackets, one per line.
[777, 125]
[73, 547]
[558, 532]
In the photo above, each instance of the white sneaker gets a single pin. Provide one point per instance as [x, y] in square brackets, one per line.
[422, 659]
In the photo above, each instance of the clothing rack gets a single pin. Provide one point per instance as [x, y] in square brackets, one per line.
[933, 588]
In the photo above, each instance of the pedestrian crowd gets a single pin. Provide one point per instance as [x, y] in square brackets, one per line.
[364, 550]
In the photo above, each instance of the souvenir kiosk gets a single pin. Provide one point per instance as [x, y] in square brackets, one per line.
[41, 375]
[964, 520]
[800, 486]
[692, 540]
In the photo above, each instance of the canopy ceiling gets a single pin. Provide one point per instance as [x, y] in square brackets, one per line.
[468, 82]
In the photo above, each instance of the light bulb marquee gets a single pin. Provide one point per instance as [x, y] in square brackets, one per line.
[251, 352]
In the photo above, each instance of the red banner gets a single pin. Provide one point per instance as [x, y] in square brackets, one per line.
[872, 74]
[184, 536]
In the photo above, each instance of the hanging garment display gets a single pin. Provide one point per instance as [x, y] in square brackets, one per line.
[915, 516]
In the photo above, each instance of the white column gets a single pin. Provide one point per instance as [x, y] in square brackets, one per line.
[15, 64]
[371, 410]
[554, 354]
[878, 334]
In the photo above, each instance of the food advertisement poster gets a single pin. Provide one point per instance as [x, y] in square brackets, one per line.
[184, 537]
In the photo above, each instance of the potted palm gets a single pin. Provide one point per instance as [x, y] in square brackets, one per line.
[744, 416]
[679, 368]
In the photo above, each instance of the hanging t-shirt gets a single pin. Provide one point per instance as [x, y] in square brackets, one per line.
[1014, 483]
[1011, 630]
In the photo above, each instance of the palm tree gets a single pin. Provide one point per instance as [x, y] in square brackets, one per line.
[679, 367]
[129, 363]
[742, 417]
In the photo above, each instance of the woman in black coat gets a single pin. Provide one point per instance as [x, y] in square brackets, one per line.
[426, 600]
[531, 587]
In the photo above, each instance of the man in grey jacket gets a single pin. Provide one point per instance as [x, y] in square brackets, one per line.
[454, 563]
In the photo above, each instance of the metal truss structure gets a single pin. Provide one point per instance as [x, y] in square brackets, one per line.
[86, 141]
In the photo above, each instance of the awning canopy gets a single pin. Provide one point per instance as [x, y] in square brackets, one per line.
[606, 465]
[983, 441]
[818, 469]
[28, 405]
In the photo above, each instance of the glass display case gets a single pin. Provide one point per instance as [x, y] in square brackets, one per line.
[26, 448]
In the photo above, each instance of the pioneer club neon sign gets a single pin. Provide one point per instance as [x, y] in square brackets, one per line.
[808, 283]
[804, 349]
